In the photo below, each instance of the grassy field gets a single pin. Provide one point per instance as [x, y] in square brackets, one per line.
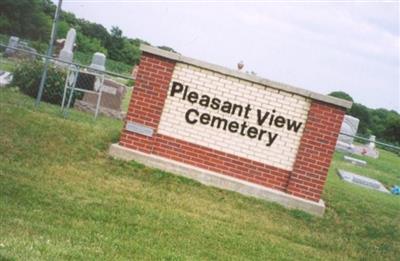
[62, 197]
[7, 64]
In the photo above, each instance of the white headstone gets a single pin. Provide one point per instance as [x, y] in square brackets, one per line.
[349, 127]
[371, 143]
[66, 54]
[13, 43]
[98, 62]
[5, 78]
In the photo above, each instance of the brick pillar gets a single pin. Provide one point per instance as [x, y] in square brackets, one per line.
[147, 101]
[315, 151]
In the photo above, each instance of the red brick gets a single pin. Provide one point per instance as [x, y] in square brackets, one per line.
[315, 151]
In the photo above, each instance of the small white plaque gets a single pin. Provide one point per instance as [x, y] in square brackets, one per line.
[139, 129]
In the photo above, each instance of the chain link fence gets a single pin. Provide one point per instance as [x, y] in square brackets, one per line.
[82, 86]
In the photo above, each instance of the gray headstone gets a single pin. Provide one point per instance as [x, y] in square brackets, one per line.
[349, 127]
[66, 54]
[13, 43]
[361, 180]
[98, 62]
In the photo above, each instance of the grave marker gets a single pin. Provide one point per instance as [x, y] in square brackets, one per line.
[349, 128]
[66, 54]
[98, 61]
[12, 43]
[361, 180]
[355, 161]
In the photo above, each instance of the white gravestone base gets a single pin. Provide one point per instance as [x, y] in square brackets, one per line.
[355, 161]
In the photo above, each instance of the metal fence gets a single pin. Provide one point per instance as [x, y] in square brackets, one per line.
[379, 144]
[85, 87]
[96, 91]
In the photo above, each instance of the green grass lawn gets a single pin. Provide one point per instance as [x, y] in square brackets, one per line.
[7, 64]
[62, 197]
[126, 99]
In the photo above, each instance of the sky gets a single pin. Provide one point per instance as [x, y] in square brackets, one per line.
[323, 46]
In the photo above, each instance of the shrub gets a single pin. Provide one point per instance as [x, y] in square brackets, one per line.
[130, 83]
[27, 76]
[118, 67]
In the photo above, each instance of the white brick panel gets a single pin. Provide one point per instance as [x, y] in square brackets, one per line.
[281, 153]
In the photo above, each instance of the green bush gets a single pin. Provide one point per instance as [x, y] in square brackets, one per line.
[130, 83]
[27, 77]
[82, 58]
[4, 39]
[118, 67]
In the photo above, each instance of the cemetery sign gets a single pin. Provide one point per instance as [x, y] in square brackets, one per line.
[232, 130]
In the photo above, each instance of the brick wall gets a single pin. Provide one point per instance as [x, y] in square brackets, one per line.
[296, 163]
[147, 102]
[316, 150]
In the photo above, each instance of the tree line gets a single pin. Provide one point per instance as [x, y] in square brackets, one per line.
[32, 19]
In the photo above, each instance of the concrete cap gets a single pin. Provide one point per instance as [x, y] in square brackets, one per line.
[252, 78]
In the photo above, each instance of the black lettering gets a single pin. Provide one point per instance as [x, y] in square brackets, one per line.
[271, 119]
[204, 101]
[215, 103]
[226, 107]
[262, 132]
[188, 120]
[193, 97]
[239, 107]
[233, 126]
[261, 119]
[293, 125]
[219, 122]
[185, 92]
[279, 121]
[205, 118]
[252, 132]
[271, 138]
[247, 110]
[243, 128]
[176, 88]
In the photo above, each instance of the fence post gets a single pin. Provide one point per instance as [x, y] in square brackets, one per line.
[49, 53]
